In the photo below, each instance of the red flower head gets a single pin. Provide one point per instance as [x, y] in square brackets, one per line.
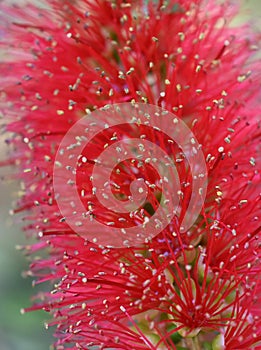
[89, 86]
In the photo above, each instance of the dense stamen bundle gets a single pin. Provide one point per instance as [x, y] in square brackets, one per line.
[179, 289]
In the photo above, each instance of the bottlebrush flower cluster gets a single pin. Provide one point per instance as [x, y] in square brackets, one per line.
[180, 290]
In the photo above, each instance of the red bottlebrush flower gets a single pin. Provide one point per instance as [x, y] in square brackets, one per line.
[182, 287]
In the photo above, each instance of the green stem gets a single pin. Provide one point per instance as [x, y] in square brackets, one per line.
[196, 343]
[193, 343]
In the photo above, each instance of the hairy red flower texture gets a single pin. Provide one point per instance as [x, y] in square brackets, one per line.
[66, 59]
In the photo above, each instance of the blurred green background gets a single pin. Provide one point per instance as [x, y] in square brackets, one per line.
[27, 332]
[17, 331]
